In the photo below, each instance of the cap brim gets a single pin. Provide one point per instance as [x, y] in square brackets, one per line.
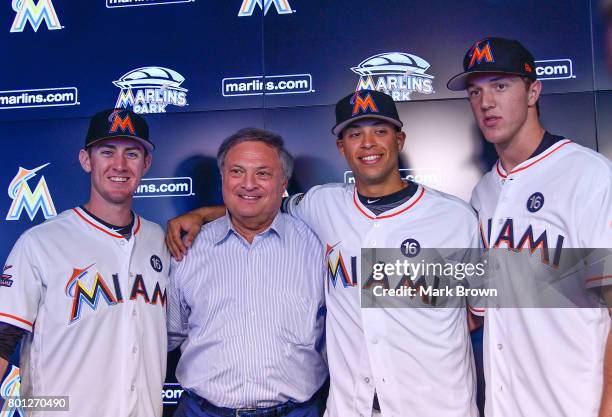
[459, 82]
[147, 145]
[340, 126]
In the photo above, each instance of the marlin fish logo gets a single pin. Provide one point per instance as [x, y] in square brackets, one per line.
[248, 6]
[10, 388]
[25, 199]
[34, 12]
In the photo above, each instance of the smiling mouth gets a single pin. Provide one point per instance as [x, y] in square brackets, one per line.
[370, 159]
[249, 197]
[118, 179]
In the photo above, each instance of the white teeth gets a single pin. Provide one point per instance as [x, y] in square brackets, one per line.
[371, 157]
[249, 197]
[118, 179]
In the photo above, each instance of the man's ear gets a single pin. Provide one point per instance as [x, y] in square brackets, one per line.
[147, 163]
[85, 160]
[400, 138]
[340, 146]
[533, 93]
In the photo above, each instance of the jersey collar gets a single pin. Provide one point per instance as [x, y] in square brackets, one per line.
[501, 172]
[390, 213]
[101, 227]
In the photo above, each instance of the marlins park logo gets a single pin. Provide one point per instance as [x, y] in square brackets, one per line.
[248, 6]
[25, 199]
[151, 90]
[397, 74]
[34, 12]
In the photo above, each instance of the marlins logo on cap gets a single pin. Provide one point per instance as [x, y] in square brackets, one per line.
[505, 56]
[480, 53]
[365, 104]
[118, 123]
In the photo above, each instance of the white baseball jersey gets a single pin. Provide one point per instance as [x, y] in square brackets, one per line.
[94, 306]
[546, 362]
[419, 360]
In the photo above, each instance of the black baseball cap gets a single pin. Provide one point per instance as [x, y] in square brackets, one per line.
[494, 55]
[365, 104]
[118, 123]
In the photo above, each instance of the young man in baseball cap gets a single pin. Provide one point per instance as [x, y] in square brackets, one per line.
[87, 290]
[545, 192]
[409, 362]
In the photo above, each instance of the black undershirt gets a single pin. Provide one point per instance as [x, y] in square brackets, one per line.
[379, 205]
[125, 231]
[547, 141]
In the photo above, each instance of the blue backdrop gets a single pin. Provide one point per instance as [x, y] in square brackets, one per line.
[200, 70]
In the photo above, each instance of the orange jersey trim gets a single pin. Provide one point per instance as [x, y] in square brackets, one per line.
[501, 174]
[19, 319]
[476, 309]
[118, 236]
[598, 278]
[137, 225]
[482, 236]
[388, 215]
[95, 225]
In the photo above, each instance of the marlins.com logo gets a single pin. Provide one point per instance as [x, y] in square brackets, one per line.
[34, 12]
[151, 90]
[248, 6]
[397, 74]
[25, 199]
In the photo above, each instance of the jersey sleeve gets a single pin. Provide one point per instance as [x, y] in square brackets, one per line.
[177, 315]
[595, 234]
[303, 207]
[475, 256]
[21, 285]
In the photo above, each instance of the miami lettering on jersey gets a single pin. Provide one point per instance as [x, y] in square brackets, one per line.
[337, 270]
[82, 294]
[527, 240]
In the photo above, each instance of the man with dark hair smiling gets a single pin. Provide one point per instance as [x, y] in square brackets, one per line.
[409, 362]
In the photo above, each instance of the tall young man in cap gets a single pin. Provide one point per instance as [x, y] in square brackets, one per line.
[87, 289]
[398, 362]
[549, 362]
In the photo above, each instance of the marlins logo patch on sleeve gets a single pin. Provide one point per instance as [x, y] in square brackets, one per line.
[5, 279]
